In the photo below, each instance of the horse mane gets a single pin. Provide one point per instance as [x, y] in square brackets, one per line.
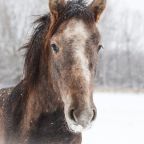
[35, 47]
[34, 50]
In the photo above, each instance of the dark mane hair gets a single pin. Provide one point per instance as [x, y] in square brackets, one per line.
[34, 50]
[35, 46]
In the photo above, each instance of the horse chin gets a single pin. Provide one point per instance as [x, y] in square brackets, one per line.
[76, 128]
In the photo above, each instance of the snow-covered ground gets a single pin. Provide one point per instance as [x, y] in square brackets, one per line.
[120, 119]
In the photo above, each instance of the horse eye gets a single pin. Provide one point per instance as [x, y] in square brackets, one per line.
[100, 47]
[55, 48]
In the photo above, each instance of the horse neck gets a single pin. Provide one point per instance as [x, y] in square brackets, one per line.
[41, 99]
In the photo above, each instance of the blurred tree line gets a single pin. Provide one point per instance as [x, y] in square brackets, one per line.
[120, 62]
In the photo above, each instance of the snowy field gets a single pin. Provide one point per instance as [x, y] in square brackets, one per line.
[120, 119]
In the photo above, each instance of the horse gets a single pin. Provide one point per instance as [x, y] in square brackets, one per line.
[53, 103]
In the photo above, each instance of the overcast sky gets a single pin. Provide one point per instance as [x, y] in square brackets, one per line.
[130, 4]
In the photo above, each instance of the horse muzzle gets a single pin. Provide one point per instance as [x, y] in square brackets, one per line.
[80, 119]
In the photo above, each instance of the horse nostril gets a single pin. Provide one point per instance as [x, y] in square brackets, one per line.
[72, 115]
[94, 115]
[82, 116]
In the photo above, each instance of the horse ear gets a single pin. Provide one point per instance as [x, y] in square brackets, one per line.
[54, 6]
[98, 6]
